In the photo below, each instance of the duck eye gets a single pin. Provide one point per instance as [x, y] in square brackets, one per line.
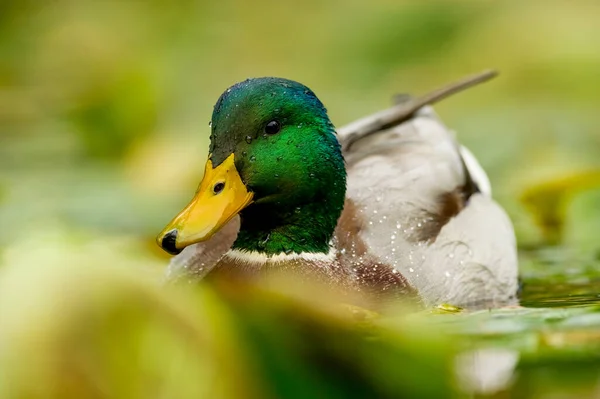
[218, 187]
[272, 127]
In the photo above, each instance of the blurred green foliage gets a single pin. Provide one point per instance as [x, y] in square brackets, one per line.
[103, 134]
[124, 91]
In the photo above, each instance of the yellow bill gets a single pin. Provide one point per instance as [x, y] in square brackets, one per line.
[220, 196]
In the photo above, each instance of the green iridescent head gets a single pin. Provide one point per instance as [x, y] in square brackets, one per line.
[275, 160]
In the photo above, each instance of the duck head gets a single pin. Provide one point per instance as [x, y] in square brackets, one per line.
[274, 160]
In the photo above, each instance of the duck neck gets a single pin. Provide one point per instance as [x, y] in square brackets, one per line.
[271, 231]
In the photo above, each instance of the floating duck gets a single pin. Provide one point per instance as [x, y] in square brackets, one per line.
[390, 205]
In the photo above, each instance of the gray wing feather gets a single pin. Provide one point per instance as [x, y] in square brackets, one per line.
[395, 179]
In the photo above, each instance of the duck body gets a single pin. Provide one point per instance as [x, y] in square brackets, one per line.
[408, 213]
[428, 213]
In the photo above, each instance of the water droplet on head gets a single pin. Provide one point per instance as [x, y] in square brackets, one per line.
[279, 159]
[209, 123]
[312, 175]
[252, 158]
[262, 244]
[249, 139]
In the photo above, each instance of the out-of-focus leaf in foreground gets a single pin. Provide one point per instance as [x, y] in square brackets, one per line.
[92, 330]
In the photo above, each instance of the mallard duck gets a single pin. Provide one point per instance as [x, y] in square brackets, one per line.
[390, 205]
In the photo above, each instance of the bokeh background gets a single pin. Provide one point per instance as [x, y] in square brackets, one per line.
[104, 110]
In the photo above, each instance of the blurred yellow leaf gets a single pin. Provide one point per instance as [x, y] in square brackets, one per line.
[547, 201]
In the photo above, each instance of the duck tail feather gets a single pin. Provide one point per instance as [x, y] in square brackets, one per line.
[405, 109]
